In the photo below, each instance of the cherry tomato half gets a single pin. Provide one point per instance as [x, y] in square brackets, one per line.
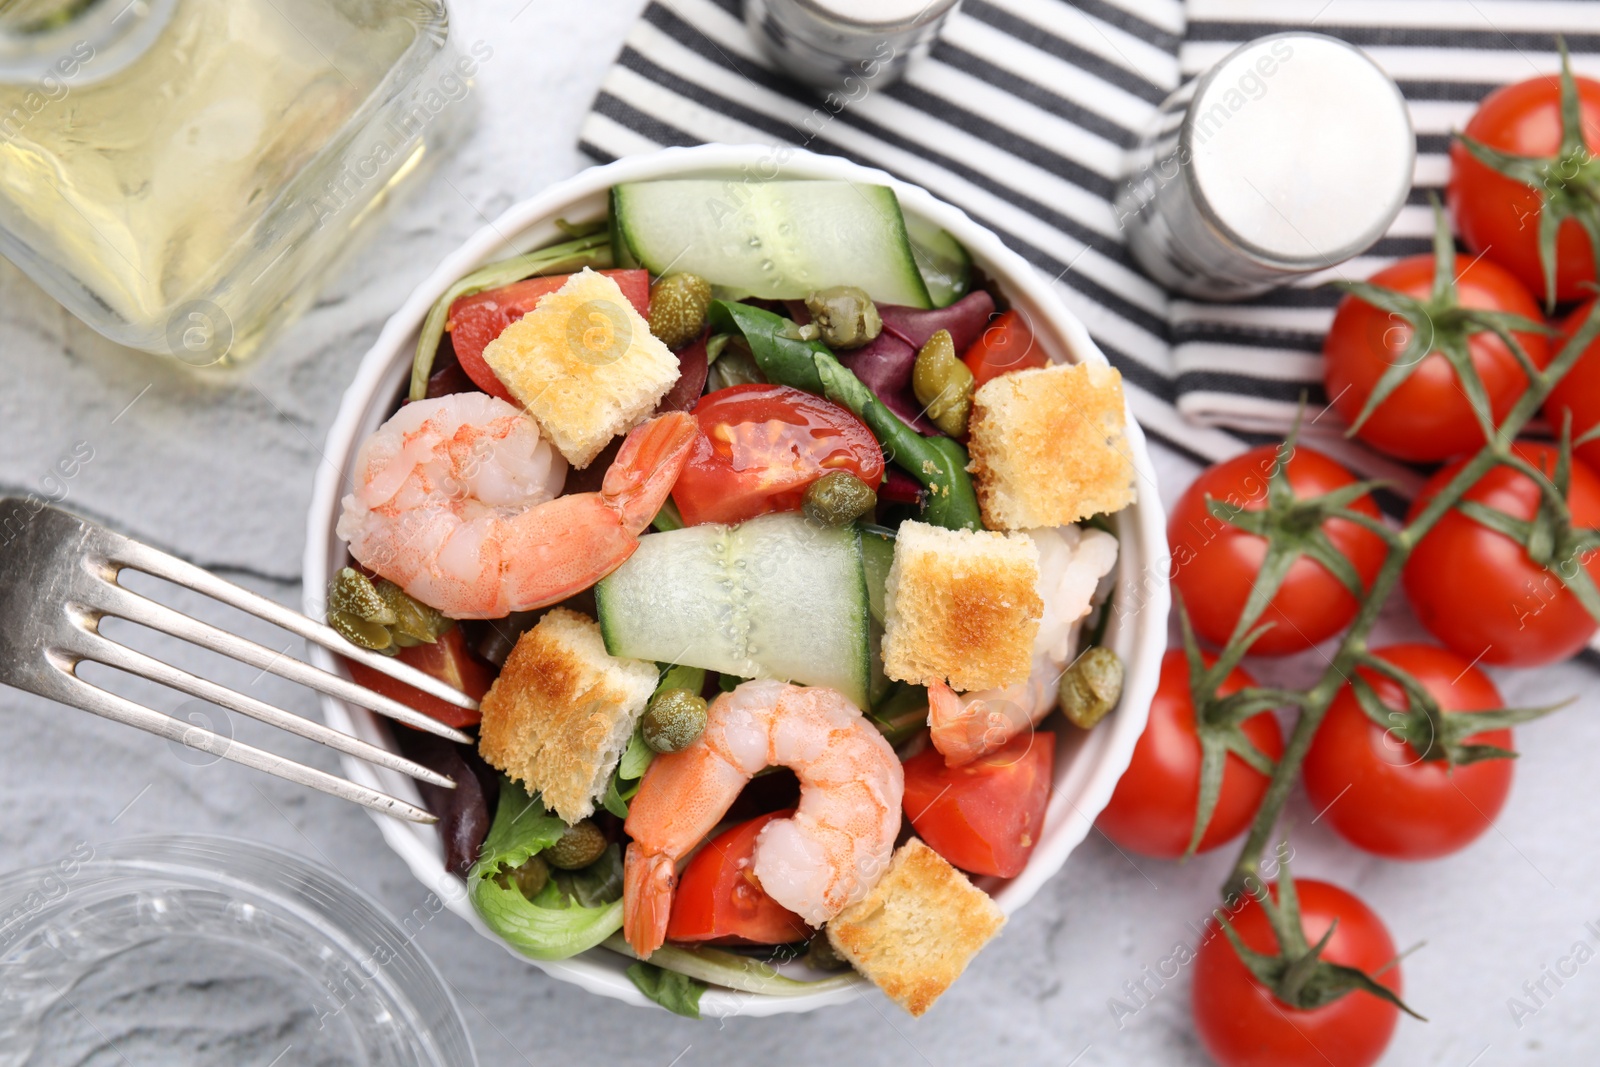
[1428, 417]
[476, 320]
[1499, 216]
[1152, 810]
[718, 899]
[1215, 565]
[1006, 345]
[447, 659]
[762, 445]
[1476, 590]
[1378, 793]
[1578, 392]
[984, 816]
[1242, 1024]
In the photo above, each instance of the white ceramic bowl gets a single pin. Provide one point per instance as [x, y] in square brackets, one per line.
[1087, 765]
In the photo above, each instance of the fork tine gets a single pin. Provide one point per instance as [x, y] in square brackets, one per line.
[126, 604]
[113, 654]
[94, 699]
[142, 557]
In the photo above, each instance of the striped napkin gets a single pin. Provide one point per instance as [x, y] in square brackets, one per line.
[1021, 116]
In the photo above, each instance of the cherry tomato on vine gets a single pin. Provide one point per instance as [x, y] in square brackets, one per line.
[1242, 1024]
[761, 446]
[1427, 417]
[1578, 392]
[1378, 793]
[1479, 592]
[1215, 564]
[1498, 215]
[1152, 810]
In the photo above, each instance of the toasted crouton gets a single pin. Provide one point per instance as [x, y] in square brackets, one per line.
[1048, 448]
[918, 929]
[961, 606]
[562, 711]
[584, 364]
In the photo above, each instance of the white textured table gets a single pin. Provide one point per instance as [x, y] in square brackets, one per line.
[220, 471]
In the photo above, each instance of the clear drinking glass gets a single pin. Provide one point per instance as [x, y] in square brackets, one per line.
[207, 952]
[179, 173]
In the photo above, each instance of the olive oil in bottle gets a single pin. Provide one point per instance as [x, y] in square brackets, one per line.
[178, 172]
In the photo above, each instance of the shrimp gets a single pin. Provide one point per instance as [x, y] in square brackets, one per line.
[1071, 563]
[457, 502]
[825, 857]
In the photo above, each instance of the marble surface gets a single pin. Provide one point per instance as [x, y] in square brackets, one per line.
[220, 472]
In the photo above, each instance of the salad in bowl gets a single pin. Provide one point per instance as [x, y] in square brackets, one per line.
[777, 528]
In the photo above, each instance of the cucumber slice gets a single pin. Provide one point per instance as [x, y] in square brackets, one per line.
[944, 263]
[774, 597]
[877, 556]
[778, 240]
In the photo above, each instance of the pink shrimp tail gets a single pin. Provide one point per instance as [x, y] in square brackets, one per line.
[964, 727]
[648, 464]
[951, 723]
[647, 884]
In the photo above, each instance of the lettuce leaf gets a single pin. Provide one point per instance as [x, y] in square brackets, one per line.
[678, 993]
[557, 922]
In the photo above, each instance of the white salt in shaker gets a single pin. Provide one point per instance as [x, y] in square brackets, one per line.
[843, 43]
[1292, 154]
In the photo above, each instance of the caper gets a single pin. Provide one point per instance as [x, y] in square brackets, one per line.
[580, 846]
[845, 316]
[415, 623]
[821, 954]
[528, 878]
[838, 498]
[678, 305]
[943, 384]
[379, 615]
[673, 720]
[1091, 687]
[359, 613]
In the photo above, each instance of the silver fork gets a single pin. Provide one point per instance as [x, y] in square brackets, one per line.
[59, 578]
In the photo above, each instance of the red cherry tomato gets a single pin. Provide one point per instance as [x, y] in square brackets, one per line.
[1378, 793]
[1215, 565]
[1578, 392]
[1476, 589]
[1242, 1024]
[1428, 417]
[762, 446]
[476, 320]
[1499, 216]
[1006, 345]
[985, 816]
[718, 899]
[1152, 810]
[447, 659]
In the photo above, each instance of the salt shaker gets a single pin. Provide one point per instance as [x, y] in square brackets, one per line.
[1291, 155]
[837, 44]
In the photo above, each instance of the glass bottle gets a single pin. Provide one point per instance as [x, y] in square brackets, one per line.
[180, 173]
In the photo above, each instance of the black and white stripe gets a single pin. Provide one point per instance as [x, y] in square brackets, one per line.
[1021, 116]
